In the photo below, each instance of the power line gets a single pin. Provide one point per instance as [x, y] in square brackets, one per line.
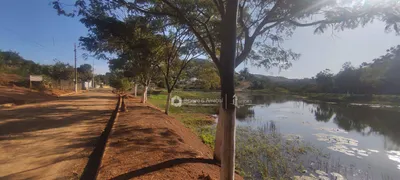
[33, 42]
[23, 38]
[76, 73]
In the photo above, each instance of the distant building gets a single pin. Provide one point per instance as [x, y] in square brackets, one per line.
[193, 79]
[87, 85]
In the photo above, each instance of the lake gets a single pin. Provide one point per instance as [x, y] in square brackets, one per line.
[360, 142]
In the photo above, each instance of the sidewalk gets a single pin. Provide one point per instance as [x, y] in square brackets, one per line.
[147, 144]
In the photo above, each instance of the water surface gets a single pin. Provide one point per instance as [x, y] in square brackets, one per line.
[363, 142]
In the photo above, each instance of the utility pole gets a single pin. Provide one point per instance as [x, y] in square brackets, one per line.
[93, 76]
[76, 71]
[228, 112]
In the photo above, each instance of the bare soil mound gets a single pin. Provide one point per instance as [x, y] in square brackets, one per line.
[6, 79]
[19, 95]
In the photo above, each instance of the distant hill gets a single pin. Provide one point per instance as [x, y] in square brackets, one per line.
[200, 60]
[283, 80]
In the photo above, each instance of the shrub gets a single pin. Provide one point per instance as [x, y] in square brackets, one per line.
[122, 85]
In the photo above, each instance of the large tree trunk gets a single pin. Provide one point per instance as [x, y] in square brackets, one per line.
[228, 143]
[135, 89]
[219, 134]
[168, 103]
[227, 72]
[123, 104]
[144, 96]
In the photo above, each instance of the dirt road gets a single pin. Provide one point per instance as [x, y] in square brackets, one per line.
[52, 140]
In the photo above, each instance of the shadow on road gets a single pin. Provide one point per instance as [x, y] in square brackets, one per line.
[163, 165]
[52, 139]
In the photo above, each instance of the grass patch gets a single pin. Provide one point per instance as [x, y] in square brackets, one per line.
[197, 118]
[276, 90]
[207, 135]
[259, 155]
[159, 99]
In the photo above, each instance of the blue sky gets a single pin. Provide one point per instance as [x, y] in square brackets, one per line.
[322, 51]
[34, 29]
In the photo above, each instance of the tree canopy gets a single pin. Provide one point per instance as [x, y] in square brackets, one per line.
[262, 24]
[381, 76]
[85, 72]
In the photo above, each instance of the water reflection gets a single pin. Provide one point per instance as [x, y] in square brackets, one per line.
[265, 100]
[245, 113]
[363, 138]
[323, 112]
[364, 120]
[360, 119]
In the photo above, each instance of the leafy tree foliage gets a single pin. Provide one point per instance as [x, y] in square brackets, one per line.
[103, 78]
[244, 74]
[256, 82]
[11, 61]
[260, 83]
[2, 61]
[202, 74]
[121, 84]
[61, 71]
[208, 79]
[261, 26]
[379, 77]
[325, 80]
[85, 72]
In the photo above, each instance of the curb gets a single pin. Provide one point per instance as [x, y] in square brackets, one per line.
[95, 159]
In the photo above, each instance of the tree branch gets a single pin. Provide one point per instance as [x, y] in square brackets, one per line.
[315, 22]
[241, 21]
[248, 43]
[220, 7]
[209, 36]
[197, 34]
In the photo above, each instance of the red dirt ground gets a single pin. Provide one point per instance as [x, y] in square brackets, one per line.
[147, 144]
[10, 93]
[20, 95]
[5, 79]
[52, 139]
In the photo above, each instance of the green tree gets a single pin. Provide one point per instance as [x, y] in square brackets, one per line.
[85, 72]
[61, 71]
[12, 58]
[202, 74]
[2, 61]
[259, 83]
[244, 74]
[103, 79]
[392, 75]
[132, 39]
[208, 79]
[121, 84]
[348, 80]
[325, 80]
[251, 27]
[178, 49]
[373, 76]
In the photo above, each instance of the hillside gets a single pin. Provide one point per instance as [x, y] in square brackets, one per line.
[284, 80]
[248, 81]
